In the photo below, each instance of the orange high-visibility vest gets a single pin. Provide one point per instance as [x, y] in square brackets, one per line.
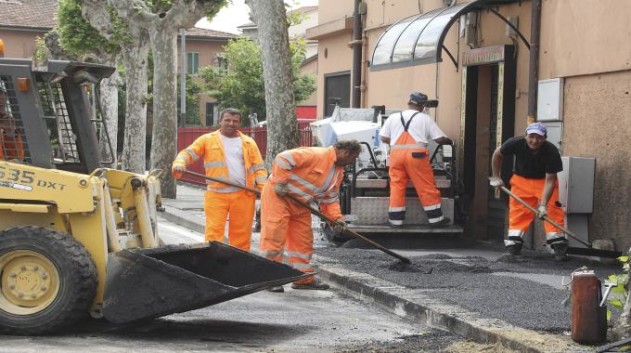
[311, 175]
[209, 147]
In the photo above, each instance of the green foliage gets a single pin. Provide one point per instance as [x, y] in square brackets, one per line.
[620, 290]
[78, 37]
[240, 84]
[41, 53]
[193, 90]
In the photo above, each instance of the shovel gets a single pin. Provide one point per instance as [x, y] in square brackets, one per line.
[313, 211]
[589, 251]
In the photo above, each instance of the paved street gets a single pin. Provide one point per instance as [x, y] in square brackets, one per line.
[312, 321]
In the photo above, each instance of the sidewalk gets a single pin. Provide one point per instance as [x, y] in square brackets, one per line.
[467, 288]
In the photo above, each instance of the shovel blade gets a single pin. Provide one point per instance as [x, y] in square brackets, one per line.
[149, 283]
[593, 252]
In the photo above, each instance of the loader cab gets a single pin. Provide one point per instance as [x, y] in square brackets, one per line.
[49, 119]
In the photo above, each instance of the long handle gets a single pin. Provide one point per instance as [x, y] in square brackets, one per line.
[546, 218]
[227, 182]
[313, 211]
[352, 233]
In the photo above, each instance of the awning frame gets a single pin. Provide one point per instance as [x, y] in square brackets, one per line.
[439, 46]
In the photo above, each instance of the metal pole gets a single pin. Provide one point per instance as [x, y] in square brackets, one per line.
[183, 69]
[533, 72]
[357, 56]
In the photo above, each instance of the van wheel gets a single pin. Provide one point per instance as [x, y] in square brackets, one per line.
[47, 280]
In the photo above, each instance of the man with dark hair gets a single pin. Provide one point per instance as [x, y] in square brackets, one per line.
[408, 134]
[230, 155]
[313, 175]
[534, 180]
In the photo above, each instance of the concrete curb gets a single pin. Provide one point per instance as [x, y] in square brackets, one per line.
[413, 305]
[182, 218]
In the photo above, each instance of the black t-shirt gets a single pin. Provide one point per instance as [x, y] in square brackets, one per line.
[532, 165]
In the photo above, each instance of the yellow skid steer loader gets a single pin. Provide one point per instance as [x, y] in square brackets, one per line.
[76, 238]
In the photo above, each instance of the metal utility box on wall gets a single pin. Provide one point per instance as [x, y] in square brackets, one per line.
[576, 193]
[550, 100]
[555, 133]
[576, 184]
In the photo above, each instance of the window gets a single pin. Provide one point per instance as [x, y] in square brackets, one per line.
[210, 114]
[192, 63]
[337, 91]
[220, 61]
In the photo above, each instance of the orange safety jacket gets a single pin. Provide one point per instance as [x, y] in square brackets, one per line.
[11, 146]
[312, 176]
[209, 147]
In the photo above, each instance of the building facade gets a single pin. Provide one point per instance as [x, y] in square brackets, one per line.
[203, 47]
[495, 66]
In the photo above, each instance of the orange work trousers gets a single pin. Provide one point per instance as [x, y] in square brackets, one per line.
[410, 161]
[286, 228]
[520, 217]
[240, 206]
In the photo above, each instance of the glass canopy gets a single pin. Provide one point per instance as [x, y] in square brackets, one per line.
[417, 39]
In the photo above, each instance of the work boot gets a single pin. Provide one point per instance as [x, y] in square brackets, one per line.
[443, 222]
[276, 289]
[392, 225]
[514, 249]
[315, 285]
[560, 250]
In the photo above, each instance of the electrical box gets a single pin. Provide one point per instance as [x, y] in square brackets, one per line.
[576, 184]
[550, 100]
[555, 134]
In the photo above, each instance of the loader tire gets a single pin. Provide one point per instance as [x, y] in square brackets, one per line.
[48, 280]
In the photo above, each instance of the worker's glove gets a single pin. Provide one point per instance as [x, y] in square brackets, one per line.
[496, 182]
[339, 226]
[281, 189]
[542, 211]
[177, 170]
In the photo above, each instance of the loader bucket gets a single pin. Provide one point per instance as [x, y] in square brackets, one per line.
[149, 283]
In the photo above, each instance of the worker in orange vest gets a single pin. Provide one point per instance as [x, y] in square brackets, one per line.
[11, 145]
[230, 155]
[312, 175]
[534, 180]
[411, 130]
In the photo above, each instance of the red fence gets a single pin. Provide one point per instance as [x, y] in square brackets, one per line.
[186, 136]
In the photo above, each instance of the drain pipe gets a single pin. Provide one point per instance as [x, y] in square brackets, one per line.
[356, 44]
[533, 72]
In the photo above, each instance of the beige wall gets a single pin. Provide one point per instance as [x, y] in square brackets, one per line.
[587, 43]
[311, 68]
[391, 87]
[334, 55]
[331, 10]
[19, 44]
[597, 124]
[584, 37]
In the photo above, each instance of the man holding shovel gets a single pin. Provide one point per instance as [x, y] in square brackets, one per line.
[534, 180]
[234, 157]
[310, 175]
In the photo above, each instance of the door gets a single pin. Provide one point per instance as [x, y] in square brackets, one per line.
[337, 91]
[488, 119]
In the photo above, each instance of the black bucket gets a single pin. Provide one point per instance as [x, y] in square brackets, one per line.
[149, 283]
